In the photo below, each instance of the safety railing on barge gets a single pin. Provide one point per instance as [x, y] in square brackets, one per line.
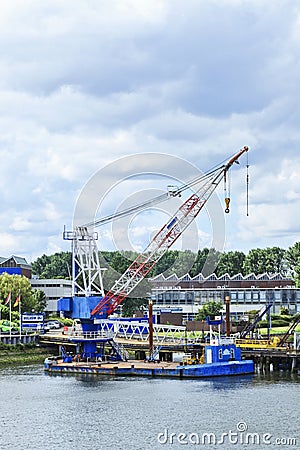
[88, 335]
[161, 333]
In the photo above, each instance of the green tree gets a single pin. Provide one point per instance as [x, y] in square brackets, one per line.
[292, 255]
[270, 260]
[199, 262]
[55, 266]
[40, 299]
[296, 277]
[40, 264]
[131, 305]
[182, 263]
[120, 262]
[205, 262]
[165, 264]
[210, 309]
[14, 284]
[231, 263]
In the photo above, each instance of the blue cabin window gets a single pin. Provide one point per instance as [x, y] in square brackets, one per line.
[220, 354]
[232, 353]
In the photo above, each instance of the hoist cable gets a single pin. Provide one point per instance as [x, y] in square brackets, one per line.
[247, 186]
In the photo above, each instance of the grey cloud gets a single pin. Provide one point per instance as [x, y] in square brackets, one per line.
[85, 83]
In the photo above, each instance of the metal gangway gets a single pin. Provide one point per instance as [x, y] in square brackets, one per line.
[140, 331]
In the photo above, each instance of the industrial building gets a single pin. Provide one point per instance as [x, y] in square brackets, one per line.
[54, 289]
[184, 295]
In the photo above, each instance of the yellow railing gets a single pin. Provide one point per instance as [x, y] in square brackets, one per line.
[256, 343]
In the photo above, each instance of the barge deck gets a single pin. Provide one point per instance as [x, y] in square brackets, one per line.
[150, 369]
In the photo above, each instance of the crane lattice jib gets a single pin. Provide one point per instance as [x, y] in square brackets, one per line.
[162, 241]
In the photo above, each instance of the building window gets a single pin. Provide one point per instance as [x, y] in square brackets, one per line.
[277, 295]
[175, 300]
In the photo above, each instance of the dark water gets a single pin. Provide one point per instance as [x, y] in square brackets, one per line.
[85, 412]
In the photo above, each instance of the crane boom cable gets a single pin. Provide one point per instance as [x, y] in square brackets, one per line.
[152, 202]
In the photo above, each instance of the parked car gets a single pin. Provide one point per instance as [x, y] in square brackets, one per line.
[53, 324]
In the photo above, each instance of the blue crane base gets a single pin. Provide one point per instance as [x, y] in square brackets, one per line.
[80, 307]
[94, 349]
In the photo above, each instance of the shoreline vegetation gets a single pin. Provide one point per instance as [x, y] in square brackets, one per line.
[22, 354]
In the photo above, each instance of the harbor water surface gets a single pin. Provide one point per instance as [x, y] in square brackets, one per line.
[88, 412]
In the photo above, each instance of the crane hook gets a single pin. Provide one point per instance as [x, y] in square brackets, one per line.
[227, 201]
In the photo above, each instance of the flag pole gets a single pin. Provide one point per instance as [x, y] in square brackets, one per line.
[10, 320]
[8, 299]
[20, 319]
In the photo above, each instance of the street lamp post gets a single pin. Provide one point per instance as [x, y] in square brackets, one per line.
[227, 306]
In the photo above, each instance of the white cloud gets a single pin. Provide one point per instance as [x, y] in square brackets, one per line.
[84, 83]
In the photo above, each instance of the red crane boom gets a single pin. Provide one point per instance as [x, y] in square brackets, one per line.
[162, 241]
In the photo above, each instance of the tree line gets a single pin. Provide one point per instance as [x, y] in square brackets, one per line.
[271, 260]
[260, 260]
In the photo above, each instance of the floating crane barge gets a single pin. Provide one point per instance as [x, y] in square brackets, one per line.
[221, 357]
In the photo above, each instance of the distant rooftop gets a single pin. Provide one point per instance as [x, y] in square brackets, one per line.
[18, 260]
[226, 276]
[212, 281]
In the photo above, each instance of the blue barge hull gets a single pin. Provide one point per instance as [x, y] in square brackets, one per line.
[153, 370]
[222, 358]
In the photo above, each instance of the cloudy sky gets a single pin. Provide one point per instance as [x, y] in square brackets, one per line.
[85, 86]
